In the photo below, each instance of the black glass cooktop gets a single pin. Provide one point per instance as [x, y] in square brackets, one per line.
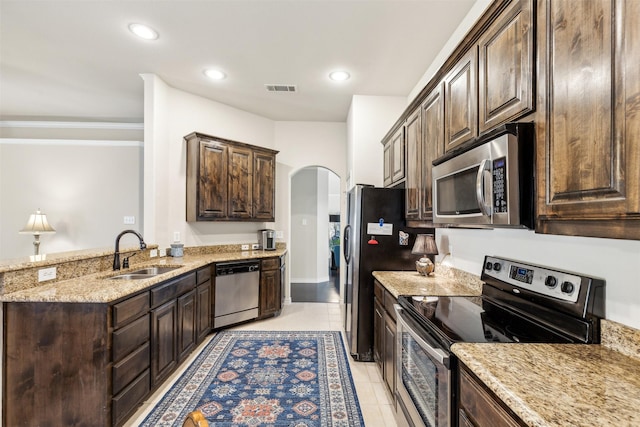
[476, 320]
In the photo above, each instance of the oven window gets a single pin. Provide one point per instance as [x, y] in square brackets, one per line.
[456, 193]
[427, 383]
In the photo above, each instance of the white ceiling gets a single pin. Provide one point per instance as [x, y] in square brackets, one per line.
[77, 59]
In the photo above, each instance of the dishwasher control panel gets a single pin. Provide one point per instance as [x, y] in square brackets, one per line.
[237, 267]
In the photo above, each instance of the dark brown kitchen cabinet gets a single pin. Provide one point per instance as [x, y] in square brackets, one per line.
[270, 286]
[186, 324]
[229, 180]
[413, 166]
[588, 133]
[204, 303]
[164, 339]
[384, 336]
[461, 101]
[479, 407]
[432, 144]
[506, 66]
[394, 158]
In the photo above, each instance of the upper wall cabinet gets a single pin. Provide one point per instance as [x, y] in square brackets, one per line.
[461, 104]
[394, 158]
[229, 180]
[413, 172]
[588, 135]
[505, 70]
[432, 144]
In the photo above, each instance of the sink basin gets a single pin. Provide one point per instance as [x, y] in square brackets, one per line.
[144, 273]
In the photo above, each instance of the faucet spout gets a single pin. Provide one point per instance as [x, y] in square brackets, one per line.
[116, 255]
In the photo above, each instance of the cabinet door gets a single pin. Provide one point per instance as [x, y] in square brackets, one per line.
[264, 169]
[378, 335]
[387, 157]
[186, 324]
[283, 280]
[397, 156]
[212, 183]
[432, 144]
[203, 310]
[588, 149]
[461, 105]
[269, 292]
[390, 353]
[163, 341]
[413, 171]
[240, 182]
[506, 66]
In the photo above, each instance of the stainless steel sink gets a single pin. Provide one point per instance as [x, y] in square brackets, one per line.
[144, 273]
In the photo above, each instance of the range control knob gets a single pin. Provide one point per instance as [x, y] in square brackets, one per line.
[551, 281]
[488, 266]
[566, 287]
[497, 266]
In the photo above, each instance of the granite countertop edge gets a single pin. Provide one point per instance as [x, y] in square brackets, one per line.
[98, 288]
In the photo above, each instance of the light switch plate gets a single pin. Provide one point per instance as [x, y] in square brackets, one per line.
[45, 274]
[244, 247]
[153, 253]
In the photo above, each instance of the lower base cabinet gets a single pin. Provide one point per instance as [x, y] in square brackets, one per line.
[478, 406]
[79, 364]
[384, 336]
[271, 286]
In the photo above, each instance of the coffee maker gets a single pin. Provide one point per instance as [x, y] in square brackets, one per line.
[267, 239]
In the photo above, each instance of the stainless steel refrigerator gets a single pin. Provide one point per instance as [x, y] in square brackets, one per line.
[371, 241]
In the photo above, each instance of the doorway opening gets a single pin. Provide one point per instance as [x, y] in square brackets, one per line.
[315, 236]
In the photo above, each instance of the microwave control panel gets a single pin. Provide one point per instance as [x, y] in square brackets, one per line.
[499, 175]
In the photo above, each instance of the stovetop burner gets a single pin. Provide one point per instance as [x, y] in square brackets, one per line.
[519, 303]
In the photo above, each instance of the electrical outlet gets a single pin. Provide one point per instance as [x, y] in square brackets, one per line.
[255, 246]
[153, 253]
[163, 252]
[129, 220]
[46, 274]
[279, 234]
[244, 247]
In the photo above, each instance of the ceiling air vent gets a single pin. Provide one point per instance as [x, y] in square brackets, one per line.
[281, 88]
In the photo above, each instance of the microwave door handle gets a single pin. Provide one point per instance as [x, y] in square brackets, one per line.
[484, 209]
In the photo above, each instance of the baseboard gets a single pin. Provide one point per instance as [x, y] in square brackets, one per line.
[309, 280]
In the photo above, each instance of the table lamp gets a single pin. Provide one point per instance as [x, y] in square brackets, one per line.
[37, 225]
[425, 245]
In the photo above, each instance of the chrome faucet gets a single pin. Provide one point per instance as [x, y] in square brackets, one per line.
[116, 255]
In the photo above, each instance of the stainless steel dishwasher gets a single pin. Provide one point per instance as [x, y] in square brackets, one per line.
[237, 292]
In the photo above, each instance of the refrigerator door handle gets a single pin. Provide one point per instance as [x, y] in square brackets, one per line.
[347, 244]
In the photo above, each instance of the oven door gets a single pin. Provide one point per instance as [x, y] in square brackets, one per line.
[423, 373]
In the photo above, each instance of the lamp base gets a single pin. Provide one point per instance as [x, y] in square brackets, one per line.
[425, 266]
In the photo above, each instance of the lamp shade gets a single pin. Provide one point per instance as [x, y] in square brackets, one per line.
[37, 224]
[425, 245]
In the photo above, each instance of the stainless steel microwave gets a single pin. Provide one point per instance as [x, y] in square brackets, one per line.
[489, 183]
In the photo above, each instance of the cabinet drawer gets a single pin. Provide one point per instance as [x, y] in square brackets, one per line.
[130, 367]
[129, 309]
[203, 275]
[172, 289]
[130, 337]
[389, 301]
[132, 396]
[270, 264]
[480, 407]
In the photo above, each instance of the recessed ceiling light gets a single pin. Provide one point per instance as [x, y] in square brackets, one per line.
[214, 74]
[339, 76]
[143, 31]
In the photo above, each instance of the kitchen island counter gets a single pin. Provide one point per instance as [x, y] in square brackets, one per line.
[563, 384]
[99, 288]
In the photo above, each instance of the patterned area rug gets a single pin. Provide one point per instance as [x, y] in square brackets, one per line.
[251, 378]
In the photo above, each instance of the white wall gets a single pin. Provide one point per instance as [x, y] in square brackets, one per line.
[304, 226]
[322, 218]
[368, 121]
[85, 187]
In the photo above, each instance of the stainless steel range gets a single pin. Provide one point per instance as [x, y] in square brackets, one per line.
[520, 302]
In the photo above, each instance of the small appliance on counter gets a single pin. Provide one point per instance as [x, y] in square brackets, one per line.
[267, 239]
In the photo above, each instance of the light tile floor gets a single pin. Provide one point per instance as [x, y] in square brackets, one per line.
[372, 394]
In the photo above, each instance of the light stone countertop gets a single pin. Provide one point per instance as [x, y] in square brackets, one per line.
[444, 281]
[97, 288]
[559, 384]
